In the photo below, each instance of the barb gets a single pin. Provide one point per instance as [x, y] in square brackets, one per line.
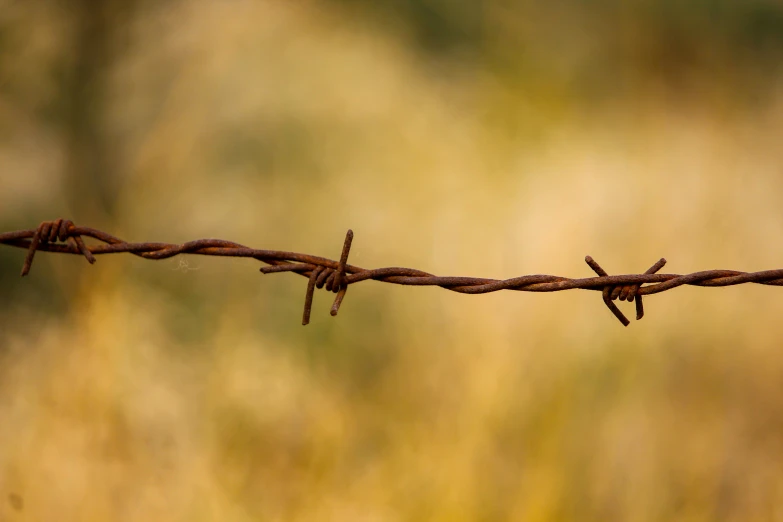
[64, 237]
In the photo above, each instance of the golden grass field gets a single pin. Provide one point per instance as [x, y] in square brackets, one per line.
[186, 389]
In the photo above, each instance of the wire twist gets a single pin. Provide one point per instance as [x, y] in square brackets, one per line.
[63, 236]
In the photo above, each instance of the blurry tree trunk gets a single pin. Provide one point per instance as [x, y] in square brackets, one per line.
[91, 169]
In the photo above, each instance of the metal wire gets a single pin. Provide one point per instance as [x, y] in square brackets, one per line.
[64, 237]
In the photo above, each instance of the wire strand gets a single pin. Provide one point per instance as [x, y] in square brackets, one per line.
[62, 236]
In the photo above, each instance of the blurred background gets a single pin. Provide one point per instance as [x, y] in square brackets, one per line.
[484, 138]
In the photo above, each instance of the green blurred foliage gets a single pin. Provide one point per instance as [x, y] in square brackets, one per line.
[603, 44]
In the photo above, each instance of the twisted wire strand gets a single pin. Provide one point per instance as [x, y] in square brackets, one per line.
[62, 236]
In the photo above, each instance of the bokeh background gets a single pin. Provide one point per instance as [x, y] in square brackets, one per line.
[487, 138]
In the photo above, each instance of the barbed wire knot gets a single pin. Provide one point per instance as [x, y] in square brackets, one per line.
[333, 279]
[623, 292]
[52, 231]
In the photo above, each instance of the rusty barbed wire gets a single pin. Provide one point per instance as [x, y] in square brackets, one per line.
[336, 276]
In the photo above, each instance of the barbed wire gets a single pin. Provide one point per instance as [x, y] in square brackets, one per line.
[63, 236]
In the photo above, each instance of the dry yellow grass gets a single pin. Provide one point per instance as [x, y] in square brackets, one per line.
[155, 393]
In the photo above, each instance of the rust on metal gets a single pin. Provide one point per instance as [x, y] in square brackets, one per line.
[64, 237]
[628, 292]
